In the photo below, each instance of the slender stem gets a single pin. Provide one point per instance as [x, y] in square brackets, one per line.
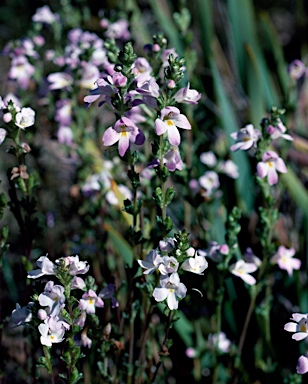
[163, 346]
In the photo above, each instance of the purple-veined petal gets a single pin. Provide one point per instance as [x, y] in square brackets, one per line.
[181, 121]
[160, 127]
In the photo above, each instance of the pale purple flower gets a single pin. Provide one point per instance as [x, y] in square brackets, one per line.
[208, 158]
[104, 91]
[170, 119]
[246, 138]
[191, 352]
[299, 326]
[85, 340]
[243, 270]
[229, 168]
[285, 260]
[124, 131]
[112, 197]
[75, 266]
[148, 88]
[52, 331]
[108, 293]
[169, 264]
[117, 79]
[170, 288]
[44, 15]
[53, 298]
[172, 160]
[59, 80]
[22, 315]
[25, 118]
[144, 70]
[209, 182]
[296, 69]
[219, 341]
[46, 267]
[167, 245]
[250, 257]
[152, 261]
[118, 30]
[278, 131]
[90, 74]
[78, 283]
[65, 135]
[302, 365]
[196, 264]
[187, 96]
[42, 314]
[90, 301]
[81, 319]
[270, 164]
[21, 71]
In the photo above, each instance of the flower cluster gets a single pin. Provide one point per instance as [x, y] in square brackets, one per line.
[56, 303]
[253, 140]
[171, 261]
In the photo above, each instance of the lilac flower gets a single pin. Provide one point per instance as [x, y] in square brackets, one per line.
[118, 30]
[246, 138]
[143, 70]
[250, 257]
[229, 168]
[270, 164]
[25, 118]
[85, 340]
[278, 131]
[53, 298]
[299, 326]
[46, 267]
[219, 341]
[296, 69]
[152, 261]
[117, 79]
[81, 319]
[112, 197]
[209, 182]
[124, 131]
[104, 91]
[90, 301]
[196, 264]
[170, 288]
[170, 119]
[167, 245]
[59, 80]
[44, 15]
[78, 283]
[108, 293]
[148, 88]
[302, 365]
[208, 158]
[187, 96]
[64, 112]
[169, 264]
[90, 74]
[285, 260]
[65, 135]
[21, 71]
[75, 266]
[52, 331]
[243, 270]
[22, 315]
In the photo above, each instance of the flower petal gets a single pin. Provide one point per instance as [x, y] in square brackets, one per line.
[110, 137]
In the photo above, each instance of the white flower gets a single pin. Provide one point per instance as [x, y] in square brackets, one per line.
[52, 331]
[170, 288]
[220, 342]
[242, 270]
[168, 265]
[3, 134]
[53, 298]
[195, 264]
[299, 325]
[152, 261]
[46, 267]
[25, 118]
[89, 301]
[285, 260]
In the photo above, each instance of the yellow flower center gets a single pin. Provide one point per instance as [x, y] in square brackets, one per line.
[169, 122]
